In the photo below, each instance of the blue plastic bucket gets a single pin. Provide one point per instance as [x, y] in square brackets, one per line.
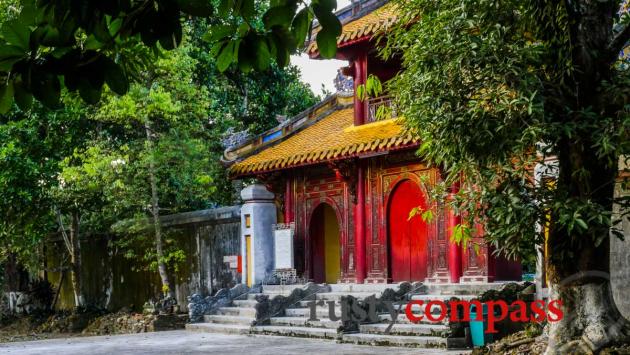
[477, 328]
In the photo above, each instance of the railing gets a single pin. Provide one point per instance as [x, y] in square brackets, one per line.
[380, 108]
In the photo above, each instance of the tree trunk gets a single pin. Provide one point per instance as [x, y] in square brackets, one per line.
[591, 319]
[75, 261]
[155, 212]
[578, 264]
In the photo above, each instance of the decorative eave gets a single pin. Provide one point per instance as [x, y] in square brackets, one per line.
[326, 136]
[281, 132]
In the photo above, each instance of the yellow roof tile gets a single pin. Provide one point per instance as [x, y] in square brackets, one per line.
[331, 137]
[371, 23]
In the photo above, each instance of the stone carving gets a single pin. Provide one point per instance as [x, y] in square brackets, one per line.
[347, 170]
[276, 306]
[389, 296]
[198, 306]
[233, 139]
[343, 83]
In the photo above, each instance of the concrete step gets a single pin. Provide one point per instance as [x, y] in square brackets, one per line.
[394, 340]
[402, 319]
[439, 297]
[252, 296]
[405, 329]
[321, 312]
[280, 288]
[371, 288]
[237, 311]
[245, 303]
[305, 322]
[336, 296]
[294, 331]
[222, 319]
[218, 328]
[461, 288]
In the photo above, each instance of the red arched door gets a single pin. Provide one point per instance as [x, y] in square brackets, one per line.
[407, 238]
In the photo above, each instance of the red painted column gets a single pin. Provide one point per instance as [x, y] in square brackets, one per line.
[359, 226]
[455, 250]
[360, 76]
[288, 202]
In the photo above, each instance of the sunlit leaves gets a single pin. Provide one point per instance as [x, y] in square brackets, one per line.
[491, 93]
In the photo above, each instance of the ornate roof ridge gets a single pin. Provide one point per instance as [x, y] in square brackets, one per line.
[288, 128]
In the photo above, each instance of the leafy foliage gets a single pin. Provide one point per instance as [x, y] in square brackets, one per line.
[83, 45]
[492, 89]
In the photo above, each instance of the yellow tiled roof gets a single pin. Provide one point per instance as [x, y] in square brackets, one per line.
[368, 25]
[332, 137]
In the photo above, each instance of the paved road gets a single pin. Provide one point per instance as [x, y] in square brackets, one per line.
[184, 342]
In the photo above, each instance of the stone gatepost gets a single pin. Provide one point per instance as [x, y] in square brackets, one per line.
[258, 215]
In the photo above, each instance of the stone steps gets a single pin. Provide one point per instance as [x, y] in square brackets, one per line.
[460, 288]
[444, 298]
[370, 288]
[245, 303]
[304, 322]
[238, 319]
[223, 319]
[294, 331]
[218, 328]
[395, 340]
[238, 311]
[405, 329]
[336, 296]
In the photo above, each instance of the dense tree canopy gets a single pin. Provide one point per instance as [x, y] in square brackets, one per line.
[94, 162]
[494, 88]
[82, 45]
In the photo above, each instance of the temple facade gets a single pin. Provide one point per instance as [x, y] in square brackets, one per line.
[345, 182]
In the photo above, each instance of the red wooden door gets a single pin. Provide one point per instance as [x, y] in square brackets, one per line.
[316, 231]
[407, 238]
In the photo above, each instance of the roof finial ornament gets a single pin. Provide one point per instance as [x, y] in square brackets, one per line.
[343, 83]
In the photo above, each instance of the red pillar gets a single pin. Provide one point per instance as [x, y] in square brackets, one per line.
[359, 226]
[360, 76]
[455, 250]
[288, 202]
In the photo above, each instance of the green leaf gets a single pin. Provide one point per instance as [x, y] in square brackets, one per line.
[328, 5]
[300, 26]
[217, 33]
[199, 8]
[115, 77]
[6, 97]
[327, 36]
[88, 93]
[278, 16]
[247, 9]
[17, 33]
[262, 59]
[114, 26]
[10, 55]
[172, 40]
[91, 43]
[46, 88]
[23, 98]
[225, 57]
[225, 6]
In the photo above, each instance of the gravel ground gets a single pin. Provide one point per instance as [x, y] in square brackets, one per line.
[184, 342]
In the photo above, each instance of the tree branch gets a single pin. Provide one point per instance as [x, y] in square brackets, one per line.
[619, 41]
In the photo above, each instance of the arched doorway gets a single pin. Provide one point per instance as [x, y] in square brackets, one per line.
[325, 246]
[408, 238]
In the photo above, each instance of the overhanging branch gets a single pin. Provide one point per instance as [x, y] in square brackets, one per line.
[619, 42]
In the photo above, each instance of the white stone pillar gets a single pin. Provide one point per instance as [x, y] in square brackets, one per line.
[258, 215]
